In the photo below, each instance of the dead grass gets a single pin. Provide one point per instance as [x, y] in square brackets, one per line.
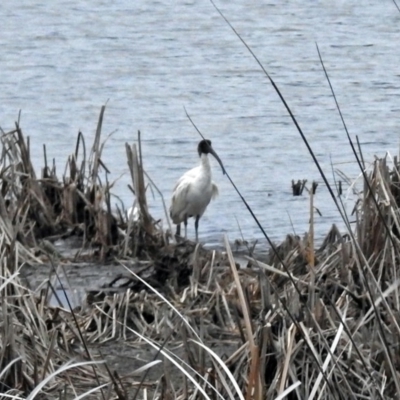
[315, 323]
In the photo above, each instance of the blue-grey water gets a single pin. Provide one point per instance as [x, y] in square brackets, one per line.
[61, 60]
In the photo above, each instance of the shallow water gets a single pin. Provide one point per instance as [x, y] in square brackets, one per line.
[62, 60]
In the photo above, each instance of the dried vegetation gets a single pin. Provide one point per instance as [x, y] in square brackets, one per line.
[302, 324]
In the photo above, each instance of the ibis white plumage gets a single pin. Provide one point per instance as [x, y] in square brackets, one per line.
[194, 190]
[134, 213]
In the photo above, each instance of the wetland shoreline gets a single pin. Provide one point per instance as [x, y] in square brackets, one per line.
[302, 318]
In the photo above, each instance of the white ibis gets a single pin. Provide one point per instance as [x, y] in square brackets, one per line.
[134, 212]
[194, 190]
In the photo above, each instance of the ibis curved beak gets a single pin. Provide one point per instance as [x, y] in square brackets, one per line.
[218, 159]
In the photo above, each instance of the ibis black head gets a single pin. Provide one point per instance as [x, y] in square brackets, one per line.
[205, 147]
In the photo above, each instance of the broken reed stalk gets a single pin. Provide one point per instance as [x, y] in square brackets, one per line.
[137, 175]
[311, 253]
[95, 153]
[254, 390]
[298, 187]
[311, 232]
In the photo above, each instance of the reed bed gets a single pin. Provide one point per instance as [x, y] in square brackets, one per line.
[44, 350]
[325, 326]
[40, 356]
[36, 211]
[304, 323]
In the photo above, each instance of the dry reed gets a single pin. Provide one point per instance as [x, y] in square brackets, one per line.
[307, 322]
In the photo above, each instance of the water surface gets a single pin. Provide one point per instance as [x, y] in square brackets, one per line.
[61, 60]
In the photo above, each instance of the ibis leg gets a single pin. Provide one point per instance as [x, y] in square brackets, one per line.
[178, 230]
[185, 222]
[196, 227]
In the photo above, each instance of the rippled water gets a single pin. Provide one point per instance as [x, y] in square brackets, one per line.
[61, 60]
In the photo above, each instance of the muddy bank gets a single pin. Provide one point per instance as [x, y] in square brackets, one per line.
[80, 277]
[88, 284]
